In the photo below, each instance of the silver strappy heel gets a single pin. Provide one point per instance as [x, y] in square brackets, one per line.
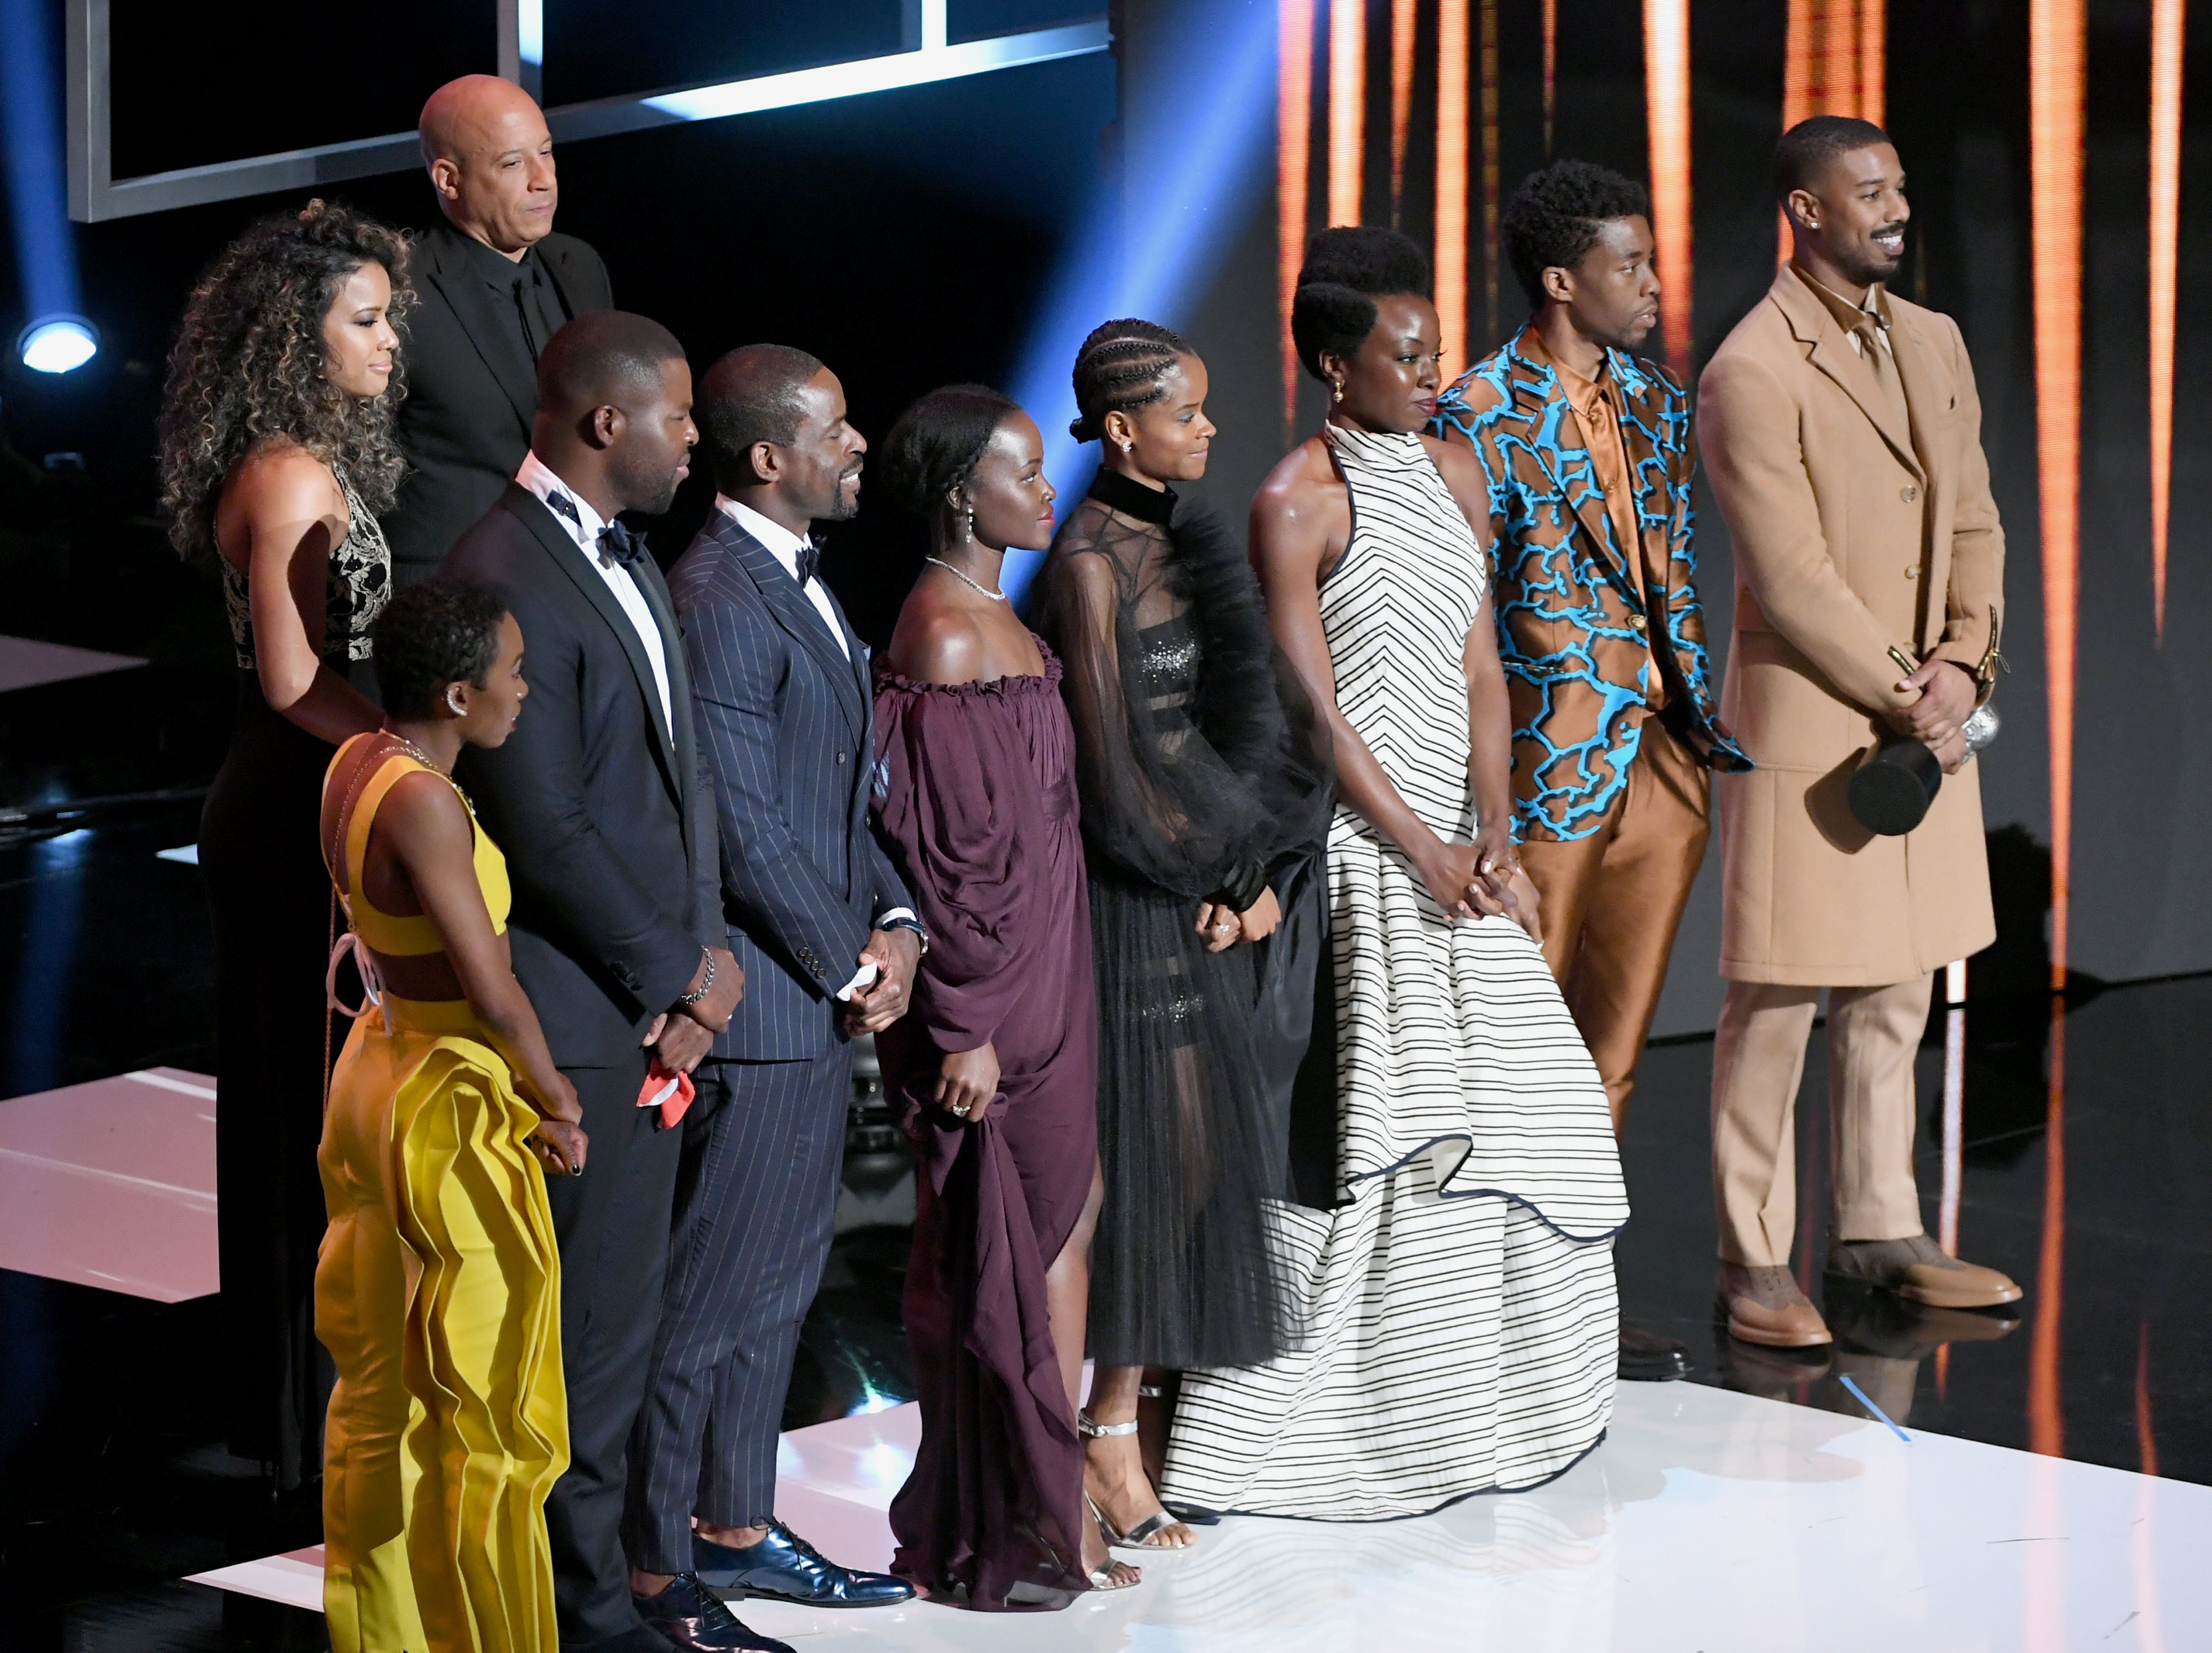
[1158, 1522]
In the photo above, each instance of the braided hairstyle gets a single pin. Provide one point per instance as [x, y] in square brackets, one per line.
[936, 443]
[1121, 367]
[1347, 268]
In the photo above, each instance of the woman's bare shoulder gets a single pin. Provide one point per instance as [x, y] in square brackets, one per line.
[278, 477]
[936, 643]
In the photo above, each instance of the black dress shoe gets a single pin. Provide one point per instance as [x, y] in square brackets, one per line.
[785, 1568]
[690, 1616]
[1647, 1357]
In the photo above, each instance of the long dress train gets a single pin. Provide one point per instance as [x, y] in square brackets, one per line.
[1456, 1317]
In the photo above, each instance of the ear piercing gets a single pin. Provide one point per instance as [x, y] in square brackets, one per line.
[1336, 393]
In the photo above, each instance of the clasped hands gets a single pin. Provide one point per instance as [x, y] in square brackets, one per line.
[1481, 880]
[681, 1035]
[1938, 719]
[1222, 926]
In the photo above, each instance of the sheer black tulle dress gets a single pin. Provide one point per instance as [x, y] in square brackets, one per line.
[1204, 776]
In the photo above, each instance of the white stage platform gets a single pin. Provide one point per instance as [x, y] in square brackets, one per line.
[1708, 1521]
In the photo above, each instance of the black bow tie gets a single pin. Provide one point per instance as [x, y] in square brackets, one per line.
[619, 547]
[809, 561]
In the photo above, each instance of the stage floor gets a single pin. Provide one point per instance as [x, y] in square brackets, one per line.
[1707, 1519]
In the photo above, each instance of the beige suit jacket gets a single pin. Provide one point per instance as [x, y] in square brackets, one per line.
[1852, 535]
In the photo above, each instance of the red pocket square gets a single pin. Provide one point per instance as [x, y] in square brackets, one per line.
[671, 1093]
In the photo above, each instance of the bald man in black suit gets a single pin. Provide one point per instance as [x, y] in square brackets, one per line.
[494, 284]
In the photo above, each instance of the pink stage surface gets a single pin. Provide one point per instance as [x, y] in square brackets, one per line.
[112, 1185]
[26, 663]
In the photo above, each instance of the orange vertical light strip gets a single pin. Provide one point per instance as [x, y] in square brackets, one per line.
[1666, 97]
[2150, 1634]
[1454, 39]
[1874, 59]
[1404, 15]
[2167, 25]
[2046, 1426]
[1796, 99]
[1347, 108]
[1550, 69]
[2058, 55]
[1293, 160]
[1489, 177]
[2146, 1439]
[1839, 58]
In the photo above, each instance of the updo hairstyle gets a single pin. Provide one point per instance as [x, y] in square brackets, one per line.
[1347, 269]
[1122, 366]
[936, 443]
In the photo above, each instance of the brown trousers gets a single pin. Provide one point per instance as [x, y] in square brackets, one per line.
[1612, 901]
[1758, 1059]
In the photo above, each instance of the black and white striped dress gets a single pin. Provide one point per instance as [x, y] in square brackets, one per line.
[1457, 1322]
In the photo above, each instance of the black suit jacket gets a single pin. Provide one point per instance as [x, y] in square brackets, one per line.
[606, 816]
[785, 719]
[471, 391]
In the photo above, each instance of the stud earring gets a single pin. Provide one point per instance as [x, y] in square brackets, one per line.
[1128, 446]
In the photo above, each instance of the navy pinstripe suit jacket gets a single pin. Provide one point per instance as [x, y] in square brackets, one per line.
[785, 719]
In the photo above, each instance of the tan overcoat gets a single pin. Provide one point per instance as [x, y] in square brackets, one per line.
[1852, 536]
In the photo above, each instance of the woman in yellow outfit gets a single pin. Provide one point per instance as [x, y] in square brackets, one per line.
[438, 1288]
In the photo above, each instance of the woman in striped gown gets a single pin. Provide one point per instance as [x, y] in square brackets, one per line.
[1455, 1314]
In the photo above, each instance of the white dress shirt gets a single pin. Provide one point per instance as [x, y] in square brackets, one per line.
[538, 478]
[785, 546]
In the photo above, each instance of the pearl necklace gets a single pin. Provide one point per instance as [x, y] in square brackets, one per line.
[965, 581]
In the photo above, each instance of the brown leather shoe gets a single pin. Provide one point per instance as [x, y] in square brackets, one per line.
[1764, 1306]
[1917, 1270]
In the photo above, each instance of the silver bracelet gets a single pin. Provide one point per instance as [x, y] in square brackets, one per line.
[706, 984]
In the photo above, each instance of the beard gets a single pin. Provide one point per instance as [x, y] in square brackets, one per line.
[1871, 265]
[843, 504]
[648, 485]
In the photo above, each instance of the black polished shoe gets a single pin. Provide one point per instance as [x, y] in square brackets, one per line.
[692, 1618]
[1647, 1357]
[785, 1568]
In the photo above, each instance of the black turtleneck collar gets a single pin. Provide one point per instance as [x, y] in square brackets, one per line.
[1133, 499]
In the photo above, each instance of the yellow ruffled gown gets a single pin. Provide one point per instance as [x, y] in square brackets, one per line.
[438, 1293]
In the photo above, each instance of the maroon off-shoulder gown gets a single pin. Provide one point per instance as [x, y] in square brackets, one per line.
[975, 800]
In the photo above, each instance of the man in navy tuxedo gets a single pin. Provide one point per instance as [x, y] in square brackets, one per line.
[827, 939]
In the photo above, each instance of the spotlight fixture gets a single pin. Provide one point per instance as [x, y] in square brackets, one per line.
[57, 344]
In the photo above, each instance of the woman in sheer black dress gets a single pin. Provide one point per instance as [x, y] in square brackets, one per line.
[1205, 793]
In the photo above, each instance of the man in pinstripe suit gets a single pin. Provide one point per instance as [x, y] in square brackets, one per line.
[828, 940]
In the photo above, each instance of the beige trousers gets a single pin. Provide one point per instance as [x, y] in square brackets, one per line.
[1758, 1059]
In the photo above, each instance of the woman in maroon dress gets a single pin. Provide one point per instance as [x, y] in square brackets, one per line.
[994, 1068]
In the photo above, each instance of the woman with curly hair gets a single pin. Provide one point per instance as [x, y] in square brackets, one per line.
[275, 453]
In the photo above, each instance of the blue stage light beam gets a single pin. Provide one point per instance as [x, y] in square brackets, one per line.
[38, 182]
[1148, 248]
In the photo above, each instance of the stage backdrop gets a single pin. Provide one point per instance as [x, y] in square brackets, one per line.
[1424, 113]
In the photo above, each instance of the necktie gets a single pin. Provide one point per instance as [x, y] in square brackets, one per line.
[1877, 357]
[809, 561]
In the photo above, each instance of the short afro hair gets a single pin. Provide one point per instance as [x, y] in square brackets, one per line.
[593, 359]
[751, 395]
[1120, 367]
[935, 446]
[445, 630]
[1812, 143]
[1555, 217]
[1347, 269]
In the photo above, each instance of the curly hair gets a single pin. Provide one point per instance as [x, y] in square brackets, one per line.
[936, 443]
[1121, 367]
[1554, 218]
[248, 365]
[445, 630]
[1347, 267]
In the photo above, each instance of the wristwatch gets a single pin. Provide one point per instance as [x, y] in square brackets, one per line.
[902, 922]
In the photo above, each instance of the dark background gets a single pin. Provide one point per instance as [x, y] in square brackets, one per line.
[909, 237]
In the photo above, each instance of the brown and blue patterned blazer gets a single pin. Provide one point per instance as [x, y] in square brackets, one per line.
[1572, 604]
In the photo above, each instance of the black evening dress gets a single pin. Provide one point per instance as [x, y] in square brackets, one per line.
[270, 900]
[1205, 777]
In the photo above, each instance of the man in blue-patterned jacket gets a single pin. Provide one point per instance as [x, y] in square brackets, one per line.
[1589, 454]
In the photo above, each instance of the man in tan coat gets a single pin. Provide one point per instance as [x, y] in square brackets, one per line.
[1842, 434]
